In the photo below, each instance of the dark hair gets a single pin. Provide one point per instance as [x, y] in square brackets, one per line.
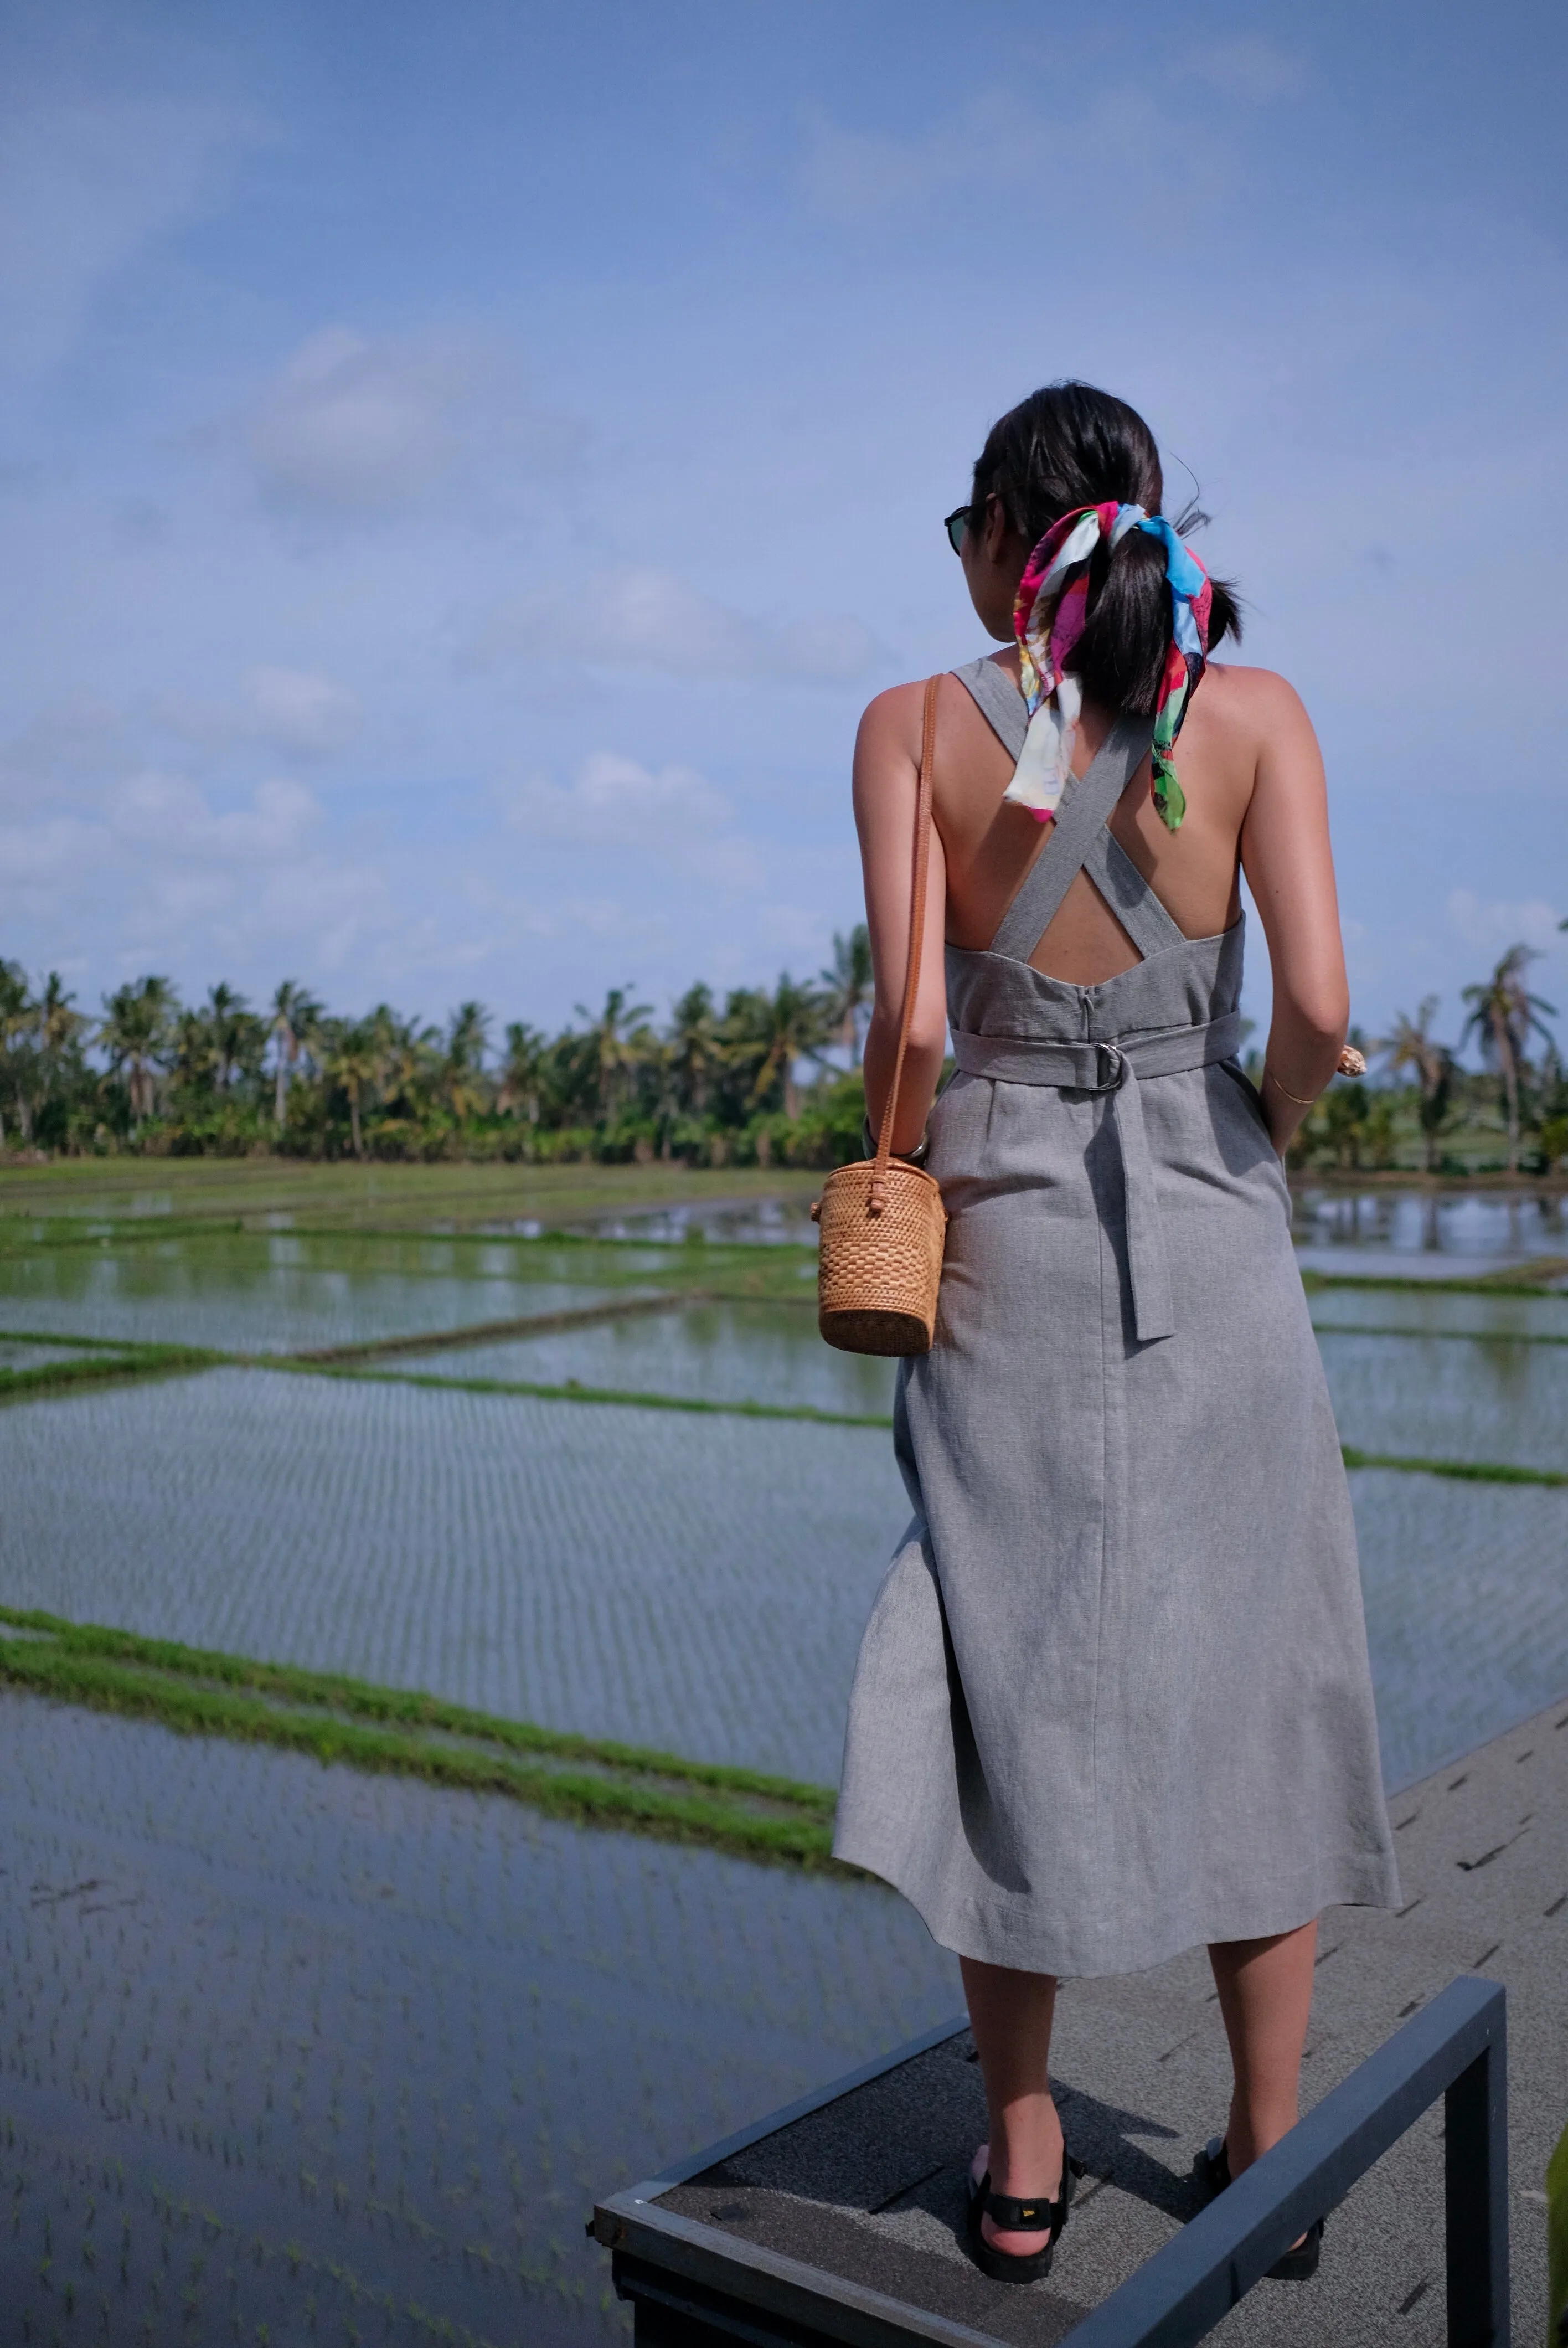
[1070, 446]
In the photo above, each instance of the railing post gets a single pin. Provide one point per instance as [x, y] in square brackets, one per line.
[1475, 2192]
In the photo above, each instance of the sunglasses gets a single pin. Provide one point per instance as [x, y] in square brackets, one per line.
[957, 525]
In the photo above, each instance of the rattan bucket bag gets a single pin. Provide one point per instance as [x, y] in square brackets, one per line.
[881, 1221]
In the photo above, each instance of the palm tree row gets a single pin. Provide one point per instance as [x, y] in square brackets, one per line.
[1347, 1127]
[154, 1071]
[762, 1072]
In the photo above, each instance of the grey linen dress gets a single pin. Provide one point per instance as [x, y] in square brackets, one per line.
[1114, 1697]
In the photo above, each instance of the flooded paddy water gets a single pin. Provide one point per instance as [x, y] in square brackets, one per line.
[299, 2054]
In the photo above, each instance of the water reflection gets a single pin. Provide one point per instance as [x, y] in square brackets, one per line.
[1496, 1224]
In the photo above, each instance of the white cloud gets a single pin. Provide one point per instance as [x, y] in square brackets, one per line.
[1500, 924]
[293, 709]
[86, 185]
[1253, 68]
[620, 795]
[613, 802]
[827, 648]
[996, 141]
[672, 815]
[171, 813]
[53, 849]
[645, 618]
[654, 619]
[846, 174]
[359, 427]
[356, 428]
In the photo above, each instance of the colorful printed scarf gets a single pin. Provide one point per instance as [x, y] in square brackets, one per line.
[1048, 619]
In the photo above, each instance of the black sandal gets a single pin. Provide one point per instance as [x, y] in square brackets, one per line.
[1213, 2170]
[1016, 2217]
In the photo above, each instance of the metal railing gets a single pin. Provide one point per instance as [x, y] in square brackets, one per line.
[692, 2283]
[1457, 2049]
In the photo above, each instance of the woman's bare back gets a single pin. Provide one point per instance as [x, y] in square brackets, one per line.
[1255, 803]
[988, 845]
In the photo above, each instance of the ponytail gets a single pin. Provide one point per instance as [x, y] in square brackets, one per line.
[1068, 446]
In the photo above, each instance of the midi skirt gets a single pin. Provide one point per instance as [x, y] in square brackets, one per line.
[1114, 1697]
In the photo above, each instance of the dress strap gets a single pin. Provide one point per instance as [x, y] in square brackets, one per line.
[1087, 804]
[996, 696]
[1129, 897]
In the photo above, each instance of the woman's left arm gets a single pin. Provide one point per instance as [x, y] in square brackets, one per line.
[886, 786]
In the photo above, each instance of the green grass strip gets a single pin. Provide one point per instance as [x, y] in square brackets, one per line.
[408, 1708]
[58, 1337]
[789, 1836]
[131, 1362]
[580, 1798]
[203, 1691]
[628, 1398]
[1463, 1471]
[107, 1231]
[147, 1361]
[1468, 1336]
[1496, 1284]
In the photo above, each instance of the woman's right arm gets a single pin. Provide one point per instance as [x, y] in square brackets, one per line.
[887, 787]
[1290, 867]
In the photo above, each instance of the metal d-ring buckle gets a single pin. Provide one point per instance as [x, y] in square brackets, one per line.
[1116, 1070]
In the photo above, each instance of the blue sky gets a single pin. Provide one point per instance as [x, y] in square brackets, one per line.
[463, 471]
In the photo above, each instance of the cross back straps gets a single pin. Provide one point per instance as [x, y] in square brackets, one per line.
[1080, 840]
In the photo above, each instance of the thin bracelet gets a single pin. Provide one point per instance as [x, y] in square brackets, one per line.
[1310, 1102]
[916, 1157]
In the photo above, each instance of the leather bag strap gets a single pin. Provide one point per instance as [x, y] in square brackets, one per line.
[878, 1195]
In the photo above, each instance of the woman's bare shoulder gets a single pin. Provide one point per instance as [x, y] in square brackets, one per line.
[892, 725]
[896, 713]
[1250, 705]
[888, 712]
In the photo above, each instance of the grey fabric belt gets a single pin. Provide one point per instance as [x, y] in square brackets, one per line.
[1115, 1069]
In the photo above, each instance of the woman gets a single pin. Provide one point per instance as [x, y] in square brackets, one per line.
[1113, 1698]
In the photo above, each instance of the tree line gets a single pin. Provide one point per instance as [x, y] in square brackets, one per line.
[1355, 1125]
[768, 1076]
[765, 1074]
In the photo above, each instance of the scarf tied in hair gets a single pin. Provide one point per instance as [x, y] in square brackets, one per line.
[1049, 615]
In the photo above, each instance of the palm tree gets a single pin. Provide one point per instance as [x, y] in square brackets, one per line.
[1502, 1015]
[18, 1014]
[1413, 1045]
[190, 1052]
[463, 1069]
[226, 1014]
[352, 1062]
[696, 1047]
[295, 1016]
[406, 1055]
[134, 1033]
[58, 1029]
[522, 1071]
[616, 1040]
[58, 1023]
[794, 1023]
[850, 988]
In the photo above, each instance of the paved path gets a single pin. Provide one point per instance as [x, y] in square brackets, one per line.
[871, 2187]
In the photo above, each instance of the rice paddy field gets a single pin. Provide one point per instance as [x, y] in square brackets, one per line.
[426, 1612]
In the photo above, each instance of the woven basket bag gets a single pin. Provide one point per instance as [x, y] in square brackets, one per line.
[881, 1221]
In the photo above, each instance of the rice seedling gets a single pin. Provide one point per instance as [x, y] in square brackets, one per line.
[364, 2038]
[1467, 1610]
[590, 1780]
[485, 2013]
[575, 1567]
[765, 1354]
[1427, 1312]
